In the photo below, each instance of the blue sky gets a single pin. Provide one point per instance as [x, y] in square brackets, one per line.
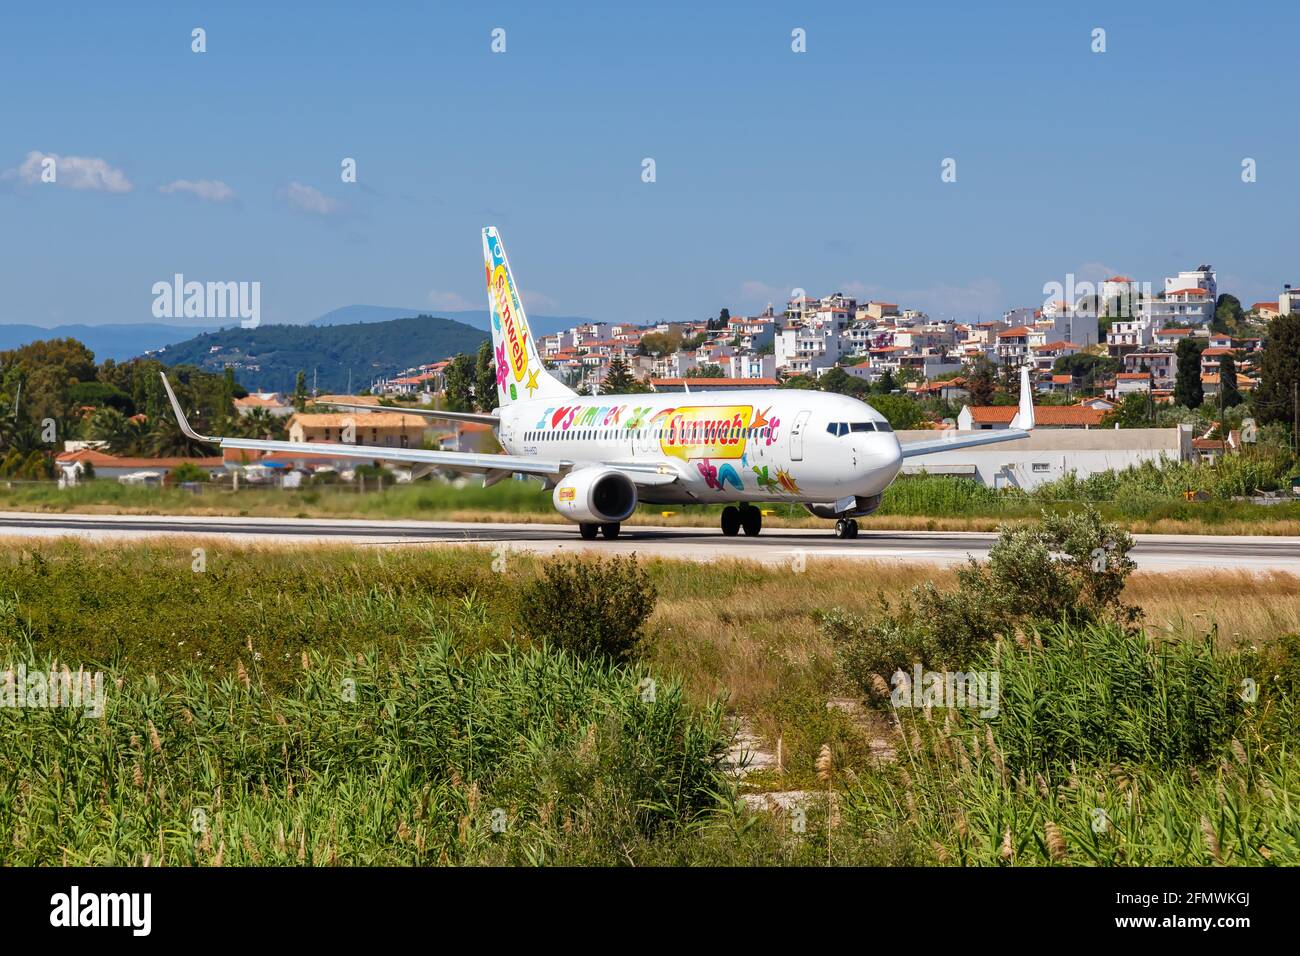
[774, 169]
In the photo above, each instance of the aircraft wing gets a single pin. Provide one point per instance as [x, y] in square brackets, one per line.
[1022, 422]
[481, 418]
[966, 440]
[493, 466]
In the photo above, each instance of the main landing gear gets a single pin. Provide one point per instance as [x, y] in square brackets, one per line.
[746, 516]
[846, 528]
[588, 531]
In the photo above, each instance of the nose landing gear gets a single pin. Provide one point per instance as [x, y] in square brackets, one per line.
[846, 528]
[745, 517]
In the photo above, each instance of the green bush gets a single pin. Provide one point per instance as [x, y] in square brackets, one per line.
[590, 608]
[188, 471]
[1065, 568]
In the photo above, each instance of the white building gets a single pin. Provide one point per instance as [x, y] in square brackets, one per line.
[1047, 455]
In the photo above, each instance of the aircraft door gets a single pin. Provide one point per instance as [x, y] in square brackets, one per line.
[796, 435]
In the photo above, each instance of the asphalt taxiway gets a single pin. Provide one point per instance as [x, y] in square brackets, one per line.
[773, 546]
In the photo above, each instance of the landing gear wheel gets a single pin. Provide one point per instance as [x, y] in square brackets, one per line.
[610, 531]
[588, 531]
[730, 520]
[846, 528]
[751, 520]
[853, 528]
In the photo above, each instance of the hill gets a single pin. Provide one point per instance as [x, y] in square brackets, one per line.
[478, 318]
[116, 342]
[269, 358]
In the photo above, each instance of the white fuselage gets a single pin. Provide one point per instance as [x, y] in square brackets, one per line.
[744, 445]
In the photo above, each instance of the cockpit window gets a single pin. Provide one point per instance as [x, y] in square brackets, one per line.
[863, 426]
[883, 427]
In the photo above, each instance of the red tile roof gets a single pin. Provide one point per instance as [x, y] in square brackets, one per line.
[1043, 414]
[101, 460]
[749, 382]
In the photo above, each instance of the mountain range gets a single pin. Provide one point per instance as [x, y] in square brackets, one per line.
[269, 357]
[117, 342]
[124, 341]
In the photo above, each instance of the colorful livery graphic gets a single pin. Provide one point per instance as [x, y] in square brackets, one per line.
[603, 455]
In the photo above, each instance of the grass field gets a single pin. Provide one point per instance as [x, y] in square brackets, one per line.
[344, 706]
[929, 504]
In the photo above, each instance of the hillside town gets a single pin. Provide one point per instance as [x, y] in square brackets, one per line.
[1136, 330]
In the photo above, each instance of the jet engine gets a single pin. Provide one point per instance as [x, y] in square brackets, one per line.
[858, 508]
[595, 496]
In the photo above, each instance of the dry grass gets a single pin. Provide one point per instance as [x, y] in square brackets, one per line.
[748, 642]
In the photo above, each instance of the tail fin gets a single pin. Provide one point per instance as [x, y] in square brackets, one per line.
[1024, 418]
[520, 372]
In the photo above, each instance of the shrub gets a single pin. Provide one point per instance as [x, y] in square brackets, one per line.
[1066, 568]
[590, 608]
[188, 471]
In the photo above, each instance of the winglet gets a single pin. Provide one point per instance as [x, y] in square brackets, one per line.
[180, 415]
[1025, 417]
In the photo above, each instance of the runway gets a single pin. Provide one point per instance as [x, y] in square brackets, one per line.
[773, 546]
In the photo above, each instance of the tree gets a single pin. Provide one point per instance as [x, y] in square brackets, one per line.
[1227, 313]
[1187, 381]
[300, 391]
[885, 384]
[1133, 412]
[1229, 396]
[459, 388]
[900, 410]
[618, 377]
[839, 381]
[661, 343]
[485, 378]
[980, 382]
[1279, 372]
[707, 370]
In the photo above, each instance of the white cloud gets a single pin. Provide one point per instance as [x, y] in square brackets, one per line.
[448, 301]
[209, 190]
[310, 199]
[536, 300]
[75, 172]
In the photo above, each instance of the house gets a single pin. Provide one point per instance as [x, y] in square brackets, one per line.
[1056, 383]
[1210, 383]
[1160, 365]
[113, 466]
[271, 402]
[1266, 310]
[473, 437]
[382, 429]
[985, 417]
[1045, 355]
[1013, 345]
[1098, 403]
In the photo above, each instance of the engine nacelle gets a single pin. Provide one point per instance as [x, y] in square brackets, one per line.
[859, 508]
[595, 496]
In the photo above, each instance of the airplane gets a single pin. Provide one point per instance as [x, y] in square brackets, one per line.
[602, 455]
